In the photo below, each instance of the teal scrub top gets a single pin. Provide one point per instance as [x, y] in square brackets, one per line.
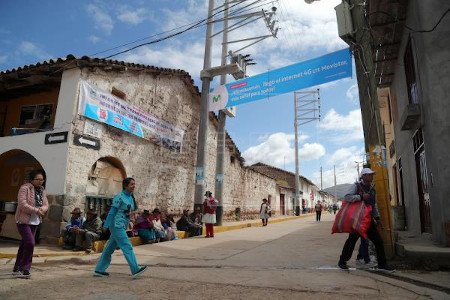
[123, 203]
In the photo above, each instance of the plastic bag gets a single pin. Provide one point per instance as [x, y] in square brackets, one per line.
[353, 217]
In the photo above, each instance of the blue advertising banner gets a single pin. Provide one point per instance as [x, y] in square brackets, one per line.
[330, 67]
[108, 109]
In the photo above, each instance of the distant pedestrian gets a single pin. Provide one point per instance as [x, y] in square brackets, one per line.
[117, 223]
[209, 216]
[264, 212]
[318, 209]
[334, 208]
[365, 191]
[32, 204]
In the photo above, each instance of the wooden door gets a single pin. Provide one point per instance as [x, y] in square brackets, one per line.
[282, 205]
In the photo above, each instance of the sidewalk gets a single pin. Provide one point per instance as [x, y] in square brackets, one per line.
[8, 249]
[420, 251]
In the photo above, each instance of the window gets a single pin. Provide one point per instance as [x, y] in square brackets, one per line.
[418, 140]
[35, 115]
[232, 160]
[410, 72]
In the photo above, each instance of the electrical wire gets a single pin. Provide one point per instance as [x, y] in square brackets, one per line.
[195, 25]
[408, 27]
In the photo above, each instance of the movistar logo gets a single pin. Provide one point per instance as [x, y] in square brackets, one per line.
[216, 98]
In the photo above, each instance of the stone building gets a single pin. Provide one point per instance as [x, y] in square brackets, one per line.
[408, 42]
[285, 196]
[45, 124]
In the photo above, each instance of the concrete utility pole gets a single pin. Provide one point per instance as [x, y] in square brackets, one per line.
[242, 61]
[221, 134]
[306, 109]
[335, 193]
[204, 115]
[321, 181]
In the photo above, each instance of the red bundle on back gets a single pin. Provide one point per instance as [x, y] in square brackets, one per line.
[353, 217]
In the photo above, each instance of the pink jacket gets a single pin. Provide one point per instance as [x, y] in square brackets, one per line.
[25, 203]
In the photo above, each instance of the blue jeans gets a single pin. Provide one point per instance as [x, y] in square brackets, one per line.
[119, 239]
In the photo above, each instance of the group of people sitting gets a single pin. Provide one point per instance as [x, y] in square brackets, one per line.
[81, 232]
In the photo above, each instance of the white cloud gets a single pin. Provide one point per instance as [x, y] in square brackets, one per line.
[133, 17]
[346, 167]
[279, 149]
[94, 39]
[176, 55]
[28, 48]
[101, 18]
[348, 127]
[352, 94]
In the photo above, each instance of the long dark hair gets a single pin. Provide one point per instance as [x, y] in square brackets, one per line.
[35, 173]
[125, 183]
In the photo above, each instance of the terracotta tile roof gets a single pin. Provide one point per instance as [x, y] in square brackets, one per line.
[283, 178]
[50, 72]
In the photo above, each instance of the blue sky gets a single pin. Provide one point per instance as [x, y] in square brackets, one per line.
[33, 31]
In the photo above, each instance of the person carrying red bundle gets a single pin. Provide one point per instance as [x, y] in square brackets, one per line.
[209, 217]
[365, 191]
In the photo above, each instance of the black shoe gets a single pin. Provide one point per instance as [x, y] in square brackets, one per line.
[100, 274]
[343, 265]
[25, 274]
[138, 273]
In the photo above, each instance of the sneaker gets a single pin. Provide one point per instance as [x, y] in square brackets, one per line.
[138, 273]
[360, 262]
[100, 274]
[343, 265]
[24, 274]
[16, 273]
[385, 269]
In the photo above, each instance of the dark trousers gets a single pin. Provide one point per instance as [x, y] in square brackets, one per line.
[374, 236]
[318, 215]
[26, 248]
[363, 251]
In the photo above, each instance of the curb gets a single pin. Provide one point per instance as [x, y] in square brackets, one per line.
[136, 240]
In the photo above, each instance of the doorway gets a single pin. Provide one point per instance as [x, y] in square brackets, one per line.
[422, 182]
[282, 205]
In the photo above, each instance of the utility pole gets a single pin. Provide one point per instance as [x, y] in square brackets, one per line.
[221, 134]
[335, 193]
[243, 61]
[204, 115]
[306, 109]
[321, 181]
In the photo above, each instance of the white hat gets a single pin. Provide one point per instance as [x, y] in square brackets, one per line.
[367, 171]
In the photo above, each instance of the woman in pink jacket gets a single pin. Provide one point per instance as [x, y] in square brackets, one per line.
[32, 205]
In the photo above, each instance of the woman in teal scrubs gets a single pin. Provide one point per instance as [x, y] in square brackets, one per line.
[117, 223]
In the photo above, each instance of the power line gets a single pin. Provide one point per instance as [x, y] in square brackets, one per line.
[195, 25]
[408, 27]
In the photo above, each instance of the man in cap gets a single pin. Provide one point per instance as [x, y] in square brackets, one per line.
[76, 220]
[186, 224]
[89, 232]
[364, 191]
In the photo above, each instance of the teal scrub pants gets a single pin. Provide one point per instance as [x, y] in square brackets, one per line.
[119, 239]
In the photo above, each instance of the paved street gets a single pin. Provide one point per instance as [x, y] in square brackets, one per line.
[288, 260]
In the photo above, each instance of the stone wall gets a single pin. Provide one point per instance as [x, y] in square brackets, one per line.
[164, 179]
